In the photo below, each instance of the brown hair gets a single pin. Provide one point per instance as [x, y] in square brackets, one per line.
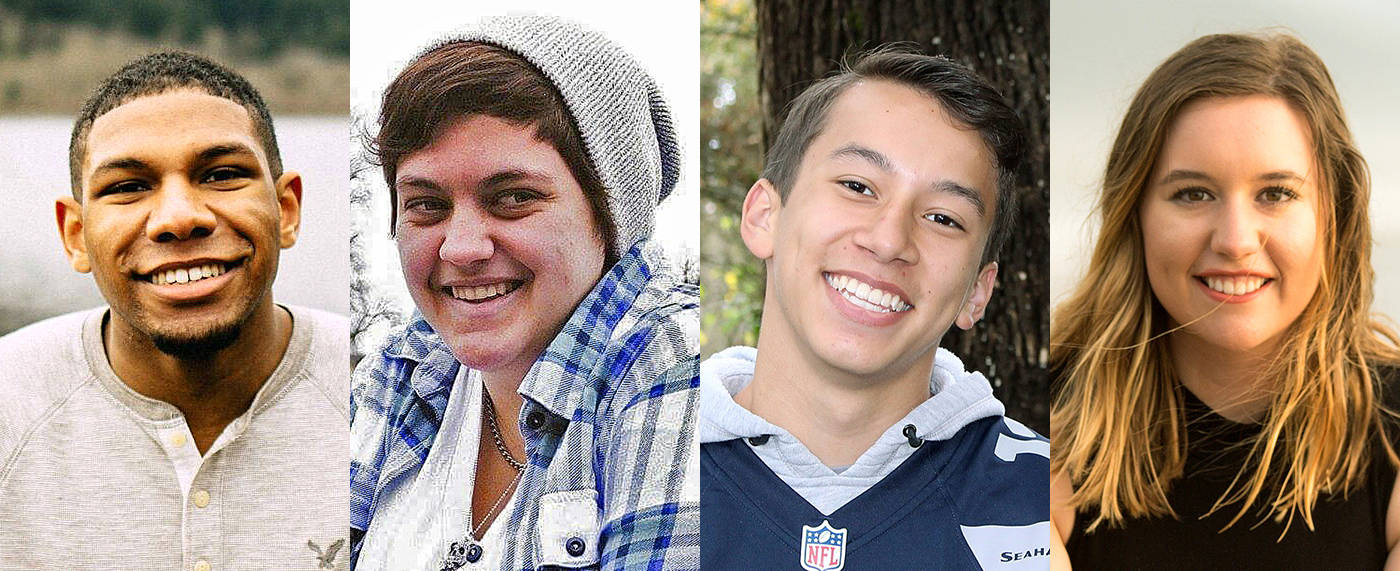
[473, 78]
[1117, 415]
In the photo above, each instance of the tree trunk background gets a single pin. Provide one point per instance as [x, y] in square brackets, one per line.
[1008, 43]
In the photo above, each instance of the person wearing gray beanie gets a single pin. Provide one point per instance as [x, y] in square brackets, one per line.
[539, 409]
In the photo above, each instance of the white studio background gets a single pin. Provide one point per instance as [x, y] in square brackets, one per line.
[1100, 52]
[663, 36]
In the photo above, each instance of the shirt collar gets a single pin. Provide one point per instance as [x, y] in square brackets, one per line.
[558, 378]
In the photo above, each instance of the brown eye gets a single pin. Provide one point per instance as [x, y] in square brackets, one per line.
[1192, 194]
[944, 220]
[1276, 194]
[857, 187]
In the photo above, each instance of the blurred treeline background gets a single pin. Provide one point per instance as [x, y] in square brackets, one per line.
[53, 52]
[757, 55]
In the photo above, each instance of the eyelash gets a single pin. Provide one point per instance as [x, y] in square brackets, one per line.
[856, 187]
[429, 203]
[529, 196]
[1286, 194]
[936, 217]
[944, 220]
[226, 173]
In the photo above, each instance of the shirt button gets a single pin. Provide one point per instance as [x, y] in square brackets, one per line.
[201, 565]
[473, 553]
[201, 499]
[178, 439]
[574, 546]
[534, 420]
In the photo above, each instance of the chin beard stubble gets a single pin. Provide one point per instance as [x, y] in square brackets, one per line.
[193, 348]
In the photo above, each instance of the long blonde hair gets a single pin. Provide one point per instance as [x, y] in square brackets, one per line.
[1118, 427]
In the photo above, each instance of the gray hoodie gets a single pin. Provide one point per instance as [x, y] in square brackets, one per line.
[959, 398]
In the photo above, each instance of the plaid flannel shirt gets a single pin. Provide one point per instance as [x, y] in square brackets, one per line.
[610, 414]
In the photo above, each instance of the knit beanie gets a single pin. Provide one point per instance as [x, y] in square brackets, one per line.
[621, 115]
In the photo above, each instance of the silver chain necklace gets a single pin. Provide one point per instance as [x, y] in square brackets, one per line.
[457, 553]
[496, 435]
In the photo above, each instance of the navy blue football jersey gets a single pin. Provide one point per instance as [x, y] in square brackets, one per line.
[979, 500]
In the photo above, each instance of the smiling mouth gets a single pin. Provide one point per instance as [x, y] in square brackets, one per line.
[865, 296]
[483, 293]
[190, 274]
[1234, 286]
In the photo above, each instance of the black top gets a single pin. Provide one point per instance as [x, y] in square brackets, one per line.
[1349, 533]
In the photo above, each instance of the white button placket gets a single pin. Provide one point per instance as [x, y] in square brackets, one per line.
[203, 514]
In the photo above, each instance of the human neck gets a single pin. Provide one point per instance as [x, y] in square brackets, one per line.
[503, 386]
[1230, 381]
[211, 390]
[835, 414]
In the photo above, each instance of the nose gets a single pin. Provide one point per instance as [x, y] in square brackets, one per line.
[179, 213]
[886, 234]
[469, 238]
[1238, 230]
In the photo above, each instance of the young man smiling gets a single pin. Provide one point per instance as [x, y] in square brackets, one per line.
[847, 439]
[194, 423]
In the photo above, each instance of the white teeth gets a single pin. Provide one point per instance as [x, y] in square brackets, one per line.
[865, 296]
[477, 293]
[1234, 286]
[187, 275]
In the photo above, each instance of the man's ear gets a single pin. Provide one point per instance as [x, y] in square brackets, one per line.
[70, 229]
[976, 305]
[760, 218]
[289, 204]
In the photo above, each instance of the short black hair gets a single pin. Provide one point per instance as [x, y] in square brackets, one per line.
[965, 96]
[161, 72]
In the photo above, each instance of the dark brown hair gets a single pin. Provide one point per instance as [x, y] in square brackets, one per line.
[473, 78]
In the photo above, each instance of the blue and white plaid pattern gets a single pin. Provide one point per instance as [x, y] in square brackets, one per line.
[621, 379]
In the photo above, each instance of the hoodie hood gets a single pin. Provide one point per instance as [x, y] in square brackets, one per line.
[959, 397]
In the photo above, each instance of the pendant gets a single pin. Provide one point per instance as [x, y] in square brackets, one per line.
[460, 554]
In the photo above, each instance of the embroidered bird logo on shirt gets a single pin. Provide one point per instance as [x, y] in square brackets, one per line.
[326, 558]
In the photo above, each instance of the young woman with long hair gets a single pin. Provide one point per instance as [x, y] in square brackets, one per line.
[1220, 381]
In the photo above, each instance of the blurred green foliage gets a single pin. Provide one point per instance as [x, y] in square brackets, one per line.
[261, 27]
[731, 159]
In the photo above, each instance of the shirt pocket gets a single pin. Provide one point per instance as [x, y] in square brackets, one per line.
[568, 529]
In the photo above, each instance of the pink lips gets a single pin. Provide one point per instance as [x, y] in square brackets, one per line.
[859, 314]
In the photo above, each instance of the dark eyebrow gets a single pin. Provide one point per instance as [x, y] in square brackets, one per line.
[971, 195]
[204, 156]
[419, 182]
[512, 175]
[120, 164]
[872, 156]
[880, 161]
[224, 150]
[497, 179]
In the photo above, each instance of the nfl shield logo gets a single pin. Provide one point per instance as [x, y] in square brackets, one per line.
[823, 548]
